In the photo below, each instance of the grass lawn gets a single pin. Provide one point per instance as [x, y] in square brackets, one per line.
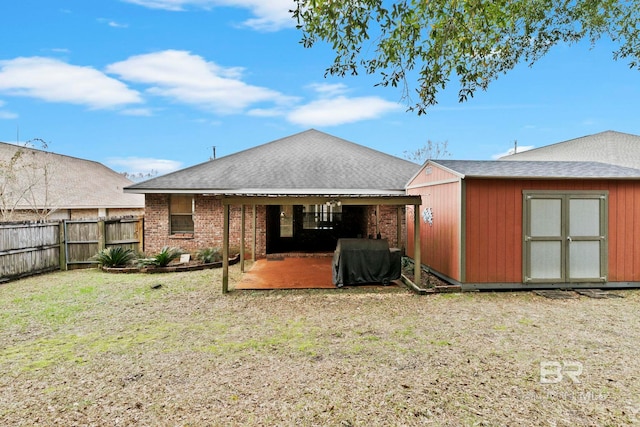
[92, 348]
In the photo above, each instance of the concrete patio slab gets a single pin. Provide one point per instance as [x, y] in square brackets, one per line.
[289, 273]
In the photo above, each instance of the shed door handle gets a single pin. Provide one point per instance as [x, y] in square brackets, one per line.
[569, 239]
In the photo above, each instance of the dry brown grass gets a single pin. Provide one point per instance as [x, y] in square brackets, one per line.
[90, 348]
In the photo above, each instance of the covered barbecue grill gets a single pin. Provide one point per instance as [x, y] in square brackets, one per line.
[365, 261]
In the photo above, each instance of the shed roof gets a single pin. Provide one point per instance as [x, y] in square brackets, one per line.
[307, 163]
[73, 183]
[617, 148]
[536, 169]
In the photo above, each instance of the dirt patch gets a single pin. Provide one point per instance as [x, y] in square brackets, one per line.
[90, 348]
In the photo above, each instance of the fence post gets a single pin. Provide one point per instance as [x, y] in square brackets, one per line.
[101, 235]
[63, 249]
[140, 234]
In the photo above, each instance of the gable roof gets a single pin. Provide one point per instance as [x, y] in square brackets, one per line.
[72, 183]
[536, 169]
[617, 148]
[307, 163]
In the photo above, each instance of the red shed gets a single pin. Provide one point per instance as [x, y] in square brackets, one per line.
[528, 224]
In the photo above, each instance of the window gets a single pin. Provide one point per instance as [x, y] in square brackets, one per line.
[321, 217]
[181, 214]
[286, 221]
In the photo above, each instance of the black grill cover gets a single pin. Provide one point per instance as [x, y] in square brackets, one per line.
[364, 261]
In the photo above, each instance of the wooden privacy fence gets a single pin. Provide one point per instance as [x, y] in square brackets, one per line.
[29, 248]
[85, 238]
[32, 248]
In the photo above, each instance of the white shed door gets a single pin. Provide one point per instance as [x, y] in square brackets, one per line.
[565, 237]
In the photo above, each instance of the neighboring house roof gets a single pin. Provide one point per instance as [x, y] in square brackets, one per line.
[536, 169]
[617, 148]
[72, 183]
[307, 163]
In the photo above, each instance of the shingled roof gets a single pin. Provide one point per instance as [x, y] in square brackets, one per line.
[617, 148]
[307, 163]
[537, 169]
[73, 183]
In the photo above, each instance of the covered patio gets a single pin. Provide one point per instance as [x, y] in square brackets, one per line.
[304, 272]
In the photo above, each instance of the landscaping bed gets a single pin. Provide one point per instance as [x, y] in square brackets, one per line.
[192, 265]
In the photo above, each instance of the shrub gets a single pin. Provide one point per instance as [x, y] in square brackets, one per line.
[166, 255]
[114, 257]
[209, 255]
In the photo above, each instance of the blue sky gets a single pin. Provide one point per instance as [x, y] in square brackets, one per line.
[154, 84]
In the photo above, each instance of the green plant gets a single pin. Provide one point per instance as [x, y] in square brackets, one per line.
[209, 255]
[116, 256]
[162, 259]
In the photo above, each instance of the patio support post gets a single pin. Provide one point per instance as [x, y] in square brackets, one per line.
[399, 236]
[242, 239]
[225, 249]
[253, 234]
[417, 257]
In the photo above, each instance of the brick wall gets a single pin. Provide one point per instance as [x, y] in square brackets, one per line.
[208, 222]
[387, 224]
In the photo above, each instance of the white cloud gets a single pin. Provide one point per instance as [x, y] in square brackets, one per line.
[56, 81]
[6, 115]
[142, 112]
[331, 107]
[209, 122]
[270, 15]
[328, 89]
[190, 79]
[340, 110]
[266, 112]
[143, 165]
[172, 5]
[112, 23]
[511, 151]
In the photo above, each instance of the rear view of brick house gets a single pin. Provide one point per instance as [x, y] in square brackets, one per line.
[296, 194]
